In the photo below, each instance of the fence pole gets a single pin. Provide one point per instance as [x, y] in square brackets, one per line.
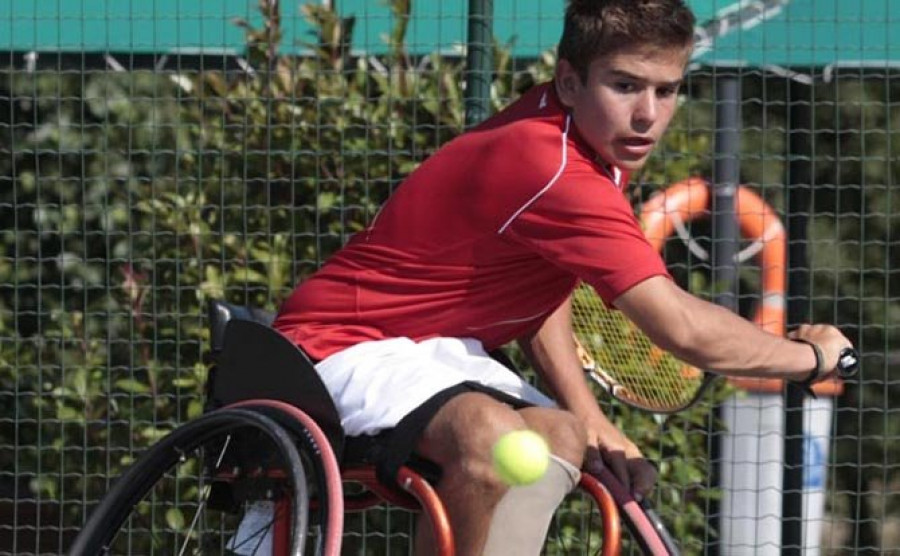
[725, 232]
[479, 61]
[726, 175]
[797, 209]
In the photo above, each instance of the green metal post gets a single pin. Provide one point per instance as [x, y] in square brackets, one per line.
[479, 61]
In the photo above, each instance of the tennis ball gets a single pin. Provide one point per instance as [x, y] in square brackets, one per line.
[521, 457]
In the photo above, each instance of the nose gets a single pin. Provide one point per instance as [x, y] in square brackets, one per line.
[645, 110]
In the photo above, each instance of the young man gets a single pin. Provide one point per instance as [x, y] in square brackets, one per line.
[484, 243]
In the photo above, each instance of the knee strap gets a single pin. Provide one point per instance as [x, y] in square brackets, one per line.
[521, 519]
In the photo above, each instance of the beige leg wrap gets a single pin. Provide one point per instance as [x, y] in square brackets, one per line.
[522, 517]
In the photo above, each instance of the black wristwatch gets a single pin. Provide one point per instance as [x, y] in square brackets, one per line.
[819, 370]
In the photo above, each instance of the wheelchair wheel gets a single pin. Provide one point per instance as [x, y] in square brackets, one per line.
[323, 471]
[203, 489]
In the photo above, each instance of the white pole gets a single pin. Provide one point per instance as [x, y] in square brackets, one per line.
[751, 465]
[752, 455]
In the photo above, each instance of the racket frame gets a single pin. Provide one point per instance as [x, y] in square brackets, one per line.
[646, 527]
[590, 363]
[620, 392]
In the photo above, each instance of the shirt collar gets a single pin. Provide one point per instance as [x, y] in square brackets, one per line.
[550, 97]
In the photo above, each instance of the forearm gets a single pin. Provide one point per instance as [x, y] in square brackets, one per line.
[712, 337]
[551, 351]
[725, 343]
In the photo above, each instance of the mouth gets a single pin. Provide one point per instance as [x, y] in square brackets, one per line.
[637, 146]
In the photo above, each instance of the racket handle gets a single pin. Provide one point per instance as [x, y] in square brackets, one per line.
[848, 363]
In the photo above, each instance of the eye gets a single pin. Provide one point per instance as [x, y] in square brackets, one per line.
[666, 92]
[625, 87]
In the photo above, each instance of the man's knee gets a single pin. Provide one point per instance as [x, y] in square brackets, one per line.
[467, 427]
[563, 431]
[461, 435]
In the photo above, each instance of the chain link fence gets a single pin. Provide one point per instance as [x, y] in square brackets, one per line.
[156, 155]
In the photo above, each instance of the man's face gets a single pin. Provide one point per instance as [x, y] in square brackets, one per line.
[626, 103]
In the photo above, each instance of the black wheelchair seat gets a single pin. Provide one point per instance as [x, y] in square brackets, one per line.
[251, 360]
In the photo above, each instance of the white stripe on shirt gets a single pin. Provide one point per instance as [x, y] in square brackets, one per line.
[562, 166]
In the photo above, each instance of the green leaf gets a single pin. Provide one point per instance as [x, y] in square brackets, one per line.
[175, 519]
[132, 386]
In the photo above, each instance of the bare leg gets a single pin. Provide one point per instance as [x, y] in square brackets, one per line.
[459, 438]
[561, 429]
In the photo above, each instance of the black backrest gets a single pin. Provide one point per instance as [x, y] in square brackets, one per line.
[220, 313]
[253, 361]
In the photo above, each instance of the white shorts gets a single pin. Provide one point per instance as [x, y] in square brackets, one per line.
[375, 384]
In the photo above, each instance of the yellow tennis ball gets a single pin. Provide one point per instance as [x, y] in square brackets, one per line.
[521, 457]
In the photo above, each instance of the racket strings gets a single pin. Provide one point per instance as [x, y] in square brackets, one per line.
[617, 353]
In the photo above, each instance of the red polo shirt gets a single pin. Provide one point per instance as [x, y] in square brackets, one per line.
[485, 239]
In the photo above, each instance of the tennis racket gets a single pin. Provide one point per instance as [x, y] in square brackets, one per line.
[620, 358]
[626, 364]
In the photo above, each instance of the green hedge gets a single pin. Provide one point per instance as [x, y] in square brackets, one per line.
[130, 199]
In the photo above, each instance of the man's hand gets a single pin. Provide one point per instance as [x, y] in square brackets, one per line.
[608, 447]
[829, 339]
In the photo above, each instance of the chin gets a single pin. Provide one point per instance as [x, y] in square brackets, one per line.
[631, 165]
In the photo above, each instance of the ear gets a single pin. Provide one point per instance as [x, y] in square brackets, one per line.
[568, 83]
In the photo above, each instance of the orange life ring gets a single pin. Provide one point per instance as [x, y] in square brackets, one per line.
[665, 214]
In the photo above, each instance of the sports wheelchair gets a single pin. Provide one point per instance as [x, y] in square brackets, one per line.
[267, 467]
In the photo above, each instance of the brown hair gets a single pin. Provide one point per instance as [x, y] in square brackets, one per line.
[595, 28]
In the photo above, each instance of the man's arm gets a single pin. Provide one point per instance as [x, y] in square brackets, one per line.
[714, 338]
[551, 351]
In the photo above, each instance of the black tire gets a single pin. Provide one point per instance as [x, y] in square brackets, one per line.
[326, 521]
[143, 513]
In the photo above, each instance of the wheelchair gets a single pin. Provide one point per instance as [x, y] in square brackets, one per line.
[267, 469]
